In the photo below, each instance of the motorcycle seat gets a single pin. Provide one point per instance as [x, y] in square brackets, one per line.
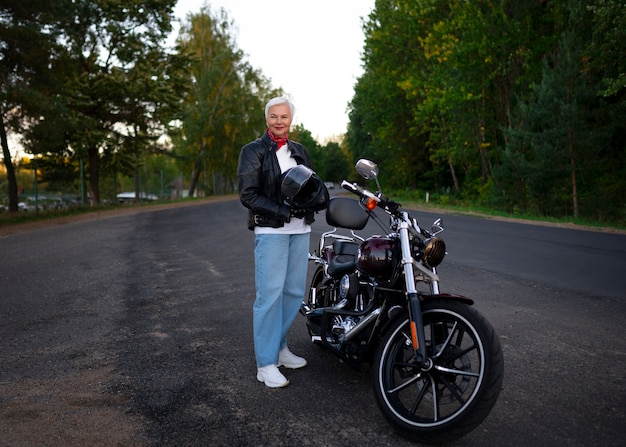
[345, 257]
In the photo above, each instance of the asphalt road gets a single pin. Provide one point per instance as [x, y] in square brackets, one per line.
[136, 331]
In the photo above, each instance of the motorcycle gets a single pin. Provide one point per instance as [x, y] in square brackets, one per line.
[437, 363]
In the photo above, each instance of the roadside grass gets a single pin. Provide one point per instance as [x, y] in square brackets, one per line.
[30, 216]
[407, 200]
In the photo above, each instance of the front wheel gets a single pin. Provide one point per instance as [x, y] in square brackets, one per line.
[450, 397]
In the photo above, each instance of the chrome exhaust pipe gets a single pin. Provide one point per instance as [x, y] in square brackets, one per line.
[362, 324]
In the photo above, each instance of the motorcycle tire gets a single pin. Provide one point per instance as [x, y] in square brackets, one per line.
[453, 396]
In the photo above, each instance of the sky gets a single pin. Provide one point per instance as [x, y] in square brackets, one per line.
[309, 48]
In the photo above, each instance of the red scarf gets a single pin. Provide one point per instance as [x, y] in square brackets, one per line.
[280, 141]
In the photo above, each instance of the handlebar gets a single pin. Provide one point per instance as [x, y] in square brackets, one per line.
[391, 207]
[356, 189]
[380, 199]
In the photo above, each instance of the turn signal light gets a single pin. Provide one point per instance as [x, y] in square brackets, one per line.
[370, 203]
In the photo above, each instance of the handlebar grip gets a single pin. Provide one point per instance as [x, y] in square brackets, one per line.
[356, 189]
[352, 187]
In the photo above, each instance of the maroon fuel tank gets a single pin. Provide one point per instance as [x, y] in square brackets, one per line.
[379, 256]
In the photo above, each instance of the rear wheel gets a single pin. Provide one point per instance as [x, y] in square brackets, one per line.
[449, 398]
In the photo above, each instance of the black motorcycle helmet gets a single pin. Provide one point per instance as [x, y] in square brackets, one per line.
[302, 188]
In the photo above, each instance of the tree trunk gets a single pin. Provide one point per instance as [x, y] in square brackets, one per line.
[573, 172]
[94, 175]
[195, 175]
[197, 168]
[482, 145]
[8, 163]
[454, 179]
[138, 191]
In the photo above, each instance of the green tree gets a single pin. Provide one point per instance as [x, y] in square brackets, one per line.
[605, 58]
[606, 49]
[566, 135]
[426, 97]
[217, 119]
[380, 127]
[337, 167]
[106, 81]
[28, 32]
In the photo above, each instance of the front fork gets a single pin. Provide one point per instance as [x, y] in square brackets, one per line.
[415, 308]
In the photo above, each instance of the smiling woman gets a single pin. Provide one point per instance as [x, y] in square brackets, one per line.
[324, 39]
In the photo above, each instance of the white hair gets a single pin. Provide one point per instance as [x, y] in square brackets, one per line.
[276, 101]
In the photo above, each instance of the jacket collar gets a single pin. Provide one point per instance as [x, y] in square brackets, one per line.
[268, 142]
[270, 145]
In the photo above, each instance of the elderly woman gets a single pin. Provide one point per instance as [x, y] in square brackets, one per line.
[281, 242]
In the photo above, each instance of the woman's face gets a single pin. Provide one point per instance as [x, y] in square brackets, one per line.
[279, 120]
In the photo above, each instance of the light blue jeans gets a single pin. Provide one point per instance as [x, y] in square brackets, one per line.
[280, 277]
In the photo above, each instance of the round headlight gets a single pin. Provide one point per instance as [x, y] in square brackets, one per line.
[434, 251]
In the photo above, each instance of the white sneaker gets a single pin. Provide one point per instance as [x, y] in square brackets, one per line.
[288, 359]
[271, 376]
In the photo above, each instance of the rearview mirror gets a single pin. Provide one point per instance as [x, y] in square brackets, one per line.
[367, 169]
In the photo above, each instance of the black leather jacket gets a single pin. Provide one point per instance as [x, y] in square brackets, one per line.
[259, 182]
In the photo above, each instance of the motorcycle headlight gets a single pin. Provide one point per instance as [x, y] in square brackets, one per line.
[434, 251]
